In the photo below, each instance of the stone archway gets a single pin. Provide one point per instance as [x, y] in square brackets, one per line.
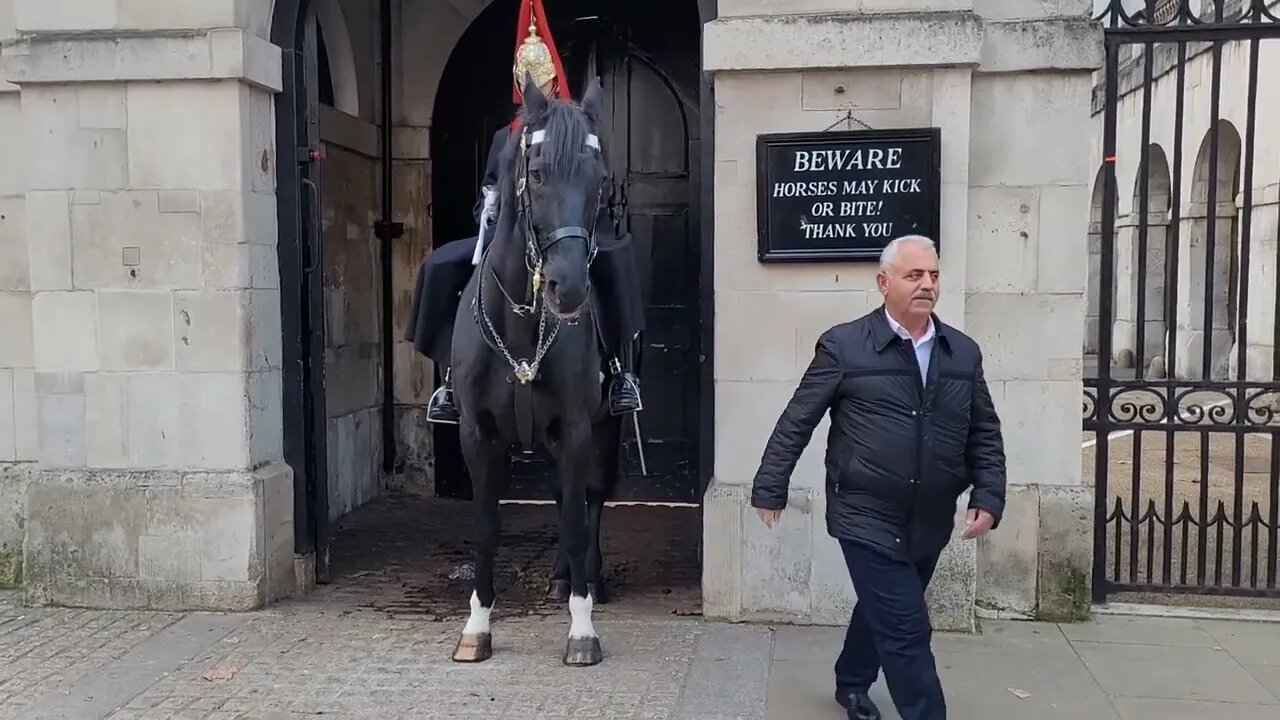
[1139, 340]
[1207, 305]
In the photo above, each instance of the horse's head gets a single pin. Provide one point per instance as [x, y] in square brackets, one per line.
[559, 176]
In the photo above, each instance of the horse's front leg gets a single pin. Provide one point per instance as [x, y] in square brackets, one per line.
[558, 584]
[487, 467]
[595, 557]
[576, 462]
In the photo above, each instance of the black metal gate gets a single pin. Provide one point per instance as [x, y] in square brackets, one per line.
[1180, 414]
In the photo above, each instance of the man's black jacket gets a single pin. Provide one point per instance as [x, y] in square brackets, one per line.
[898, 455]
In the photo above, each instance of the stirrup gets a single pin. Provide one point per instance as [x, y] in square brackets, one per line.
[441, 408]
[624, 394]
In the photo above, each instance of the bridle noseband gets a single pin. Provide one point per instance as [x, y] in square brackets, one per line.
[536, 248]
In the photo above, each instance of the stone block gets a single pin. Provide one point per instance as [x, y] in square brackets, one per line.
[160, 541]
[125, 242]
[65, 330]
[277, 521]
[1027, 337]
[102, 107]
[136, 330]
[266, 416]
[211, 331]
[185, 136]
[742, 317]
[18, 338]
[179, 201]
[1022, 46]
[65, 15]
[47, 223]
[832, 596]
[1022, 10]
[839, 40]
[1041, 428]
[951, 593]
[13, 172]
[8, 420]
[1007, 556]
[776, 580]
[1065, 554]
[1004, 223]
[70, 156]
[722, 522]
[15, 273]
[14, 478]
[360, 366]
[257, 139]
[746, 413]
[61, 432]
[414, 375]
[166, 14]
[169, 418]
[1004, 105]
[950, 107]
[1063, 233]
[106, 419]
[25, 416]
[953, 238]
[880, 89]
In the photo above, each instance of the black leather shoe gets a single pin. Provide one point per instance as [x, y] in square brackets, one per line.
[624, 394]
[858, 705]
[442, 408]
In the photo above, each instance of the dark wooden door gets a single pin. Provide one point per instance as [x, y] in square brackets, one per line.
[650, 77]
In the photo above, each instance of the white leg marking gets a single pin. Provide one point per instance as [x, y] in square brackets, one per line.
[580, 613]
[478, 623]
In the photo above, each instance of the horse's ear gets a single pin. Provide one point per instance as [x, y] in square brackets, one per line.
[535, 103]
[593, 101]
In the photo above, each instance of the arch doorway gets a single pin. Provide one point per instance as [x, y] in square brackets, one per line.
[647, 57]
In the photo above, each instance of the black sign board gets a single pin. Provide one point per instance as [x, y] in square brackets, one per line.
[838, 196]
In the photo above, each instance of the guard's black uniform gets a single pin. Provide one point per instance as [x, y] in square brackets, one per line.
[444, 275]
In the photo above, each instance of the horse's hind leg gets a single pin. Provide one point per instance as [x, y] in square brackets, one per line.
[595, 557]
[475, 644]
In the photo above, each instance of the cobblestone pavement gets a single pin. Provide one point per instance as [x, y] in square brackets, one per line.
[302, 660]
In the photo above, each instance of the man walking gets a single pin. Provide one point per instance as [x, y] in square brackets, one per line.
[912, 427]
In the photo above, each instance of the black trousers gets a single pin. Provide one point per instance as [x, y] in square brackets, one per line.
[890, 630]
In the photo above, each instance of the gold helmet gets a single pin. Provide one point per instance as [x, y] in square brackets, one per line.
[536, 55]
[533, 58]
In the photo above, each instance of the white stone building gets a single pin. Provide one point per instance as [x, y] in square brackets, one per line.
[1149, 200]
[166, 439]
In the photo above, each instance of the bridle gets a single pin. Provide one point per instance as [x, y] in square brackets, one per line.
[536, 247]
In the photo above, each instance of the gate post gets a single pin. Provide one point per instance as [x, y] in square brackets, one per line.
[996, 80]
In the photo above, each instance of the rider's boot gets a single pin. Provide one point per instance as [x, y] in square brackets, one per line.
[624, 389]
[442, 408]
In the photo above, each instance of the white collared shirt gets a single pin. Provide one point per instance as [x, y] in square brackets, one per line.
[923, 346]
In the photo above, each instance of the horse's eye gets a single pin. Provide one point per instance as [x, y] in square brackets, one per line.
[535, 176]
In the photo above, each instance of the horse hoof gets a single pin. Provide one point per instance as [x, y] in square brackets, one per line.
[473, 648]
[558, 590]
[599, 594]
[583, 652]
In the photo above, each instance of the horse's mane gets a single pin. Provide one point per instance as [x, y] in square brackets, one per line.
[567, 127]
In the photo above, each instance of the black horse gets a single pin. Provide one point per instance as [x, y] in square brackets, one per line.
[526, 367]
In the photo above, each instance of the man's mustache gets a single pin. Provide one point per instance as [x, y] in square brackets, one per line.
[926, 295]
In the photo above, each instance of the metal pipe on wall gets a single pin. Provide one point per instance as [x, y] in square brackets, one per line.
[386, 232]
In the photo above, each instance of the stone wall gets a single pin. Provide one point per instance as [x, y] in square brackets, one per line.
[1012, 256]
[17, 377]
[154, 351]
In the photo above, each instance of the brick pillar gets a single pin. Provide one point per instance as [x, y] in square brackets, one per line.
[154, 305]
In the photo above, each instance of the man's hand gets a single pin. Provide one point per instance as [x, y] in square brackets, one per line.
[769, 517]
[979, 522]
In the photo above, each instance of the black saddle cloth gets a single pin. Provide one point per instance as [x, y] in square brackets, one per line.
[445, 273]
